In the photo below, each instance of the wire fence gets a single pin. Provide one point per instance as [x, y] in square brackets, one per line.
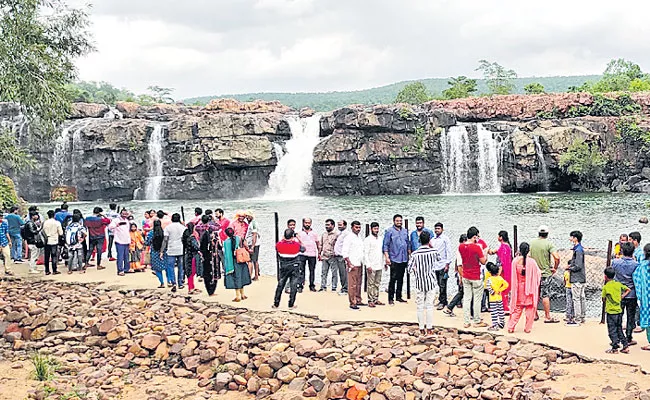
[596, 260]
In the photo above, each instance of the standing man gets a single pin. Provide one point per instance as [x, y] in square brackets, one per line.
[122, 233]
[62, 214]
[112, 215]
[326, 255]
[373, 260]
[395, 248]
[415, 235]
[624, 268]
[15, 222]
[288, 251]
[53, 231]
[635, 238]
[253, 241]
[577, 278]
[421, 266]
[224, 223]
[353, 256]
[338, 252]
[473, 257]
[240, 225]
[309, 240]
[198, 213]
[96, 225]
[5, 245]
[32, 229]
[543, 251]
[173, 247]
[445, 255]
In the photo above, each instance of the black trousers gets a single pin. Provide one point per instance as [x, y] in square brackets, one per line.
[629, 307]
[51, 253]
[96, 243]
[289, 272]
[110, 246]
[311, 262]
[442, 276]
[615, 330]
[396, 282]
[458, 298]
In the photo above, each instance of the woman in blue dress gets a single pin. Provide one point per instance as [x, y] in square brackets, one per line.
[236, 274]
[641, 279]
[159, 264]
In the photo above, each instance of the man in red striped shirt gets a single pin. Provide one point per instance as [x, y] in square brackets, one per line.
[288, 250]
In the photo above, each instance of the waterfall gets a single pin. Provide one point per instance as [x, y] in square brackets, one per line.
[471, 164]
[152, 186]
[279, 152]
[62, 167]
[455, 156]
[17, 123]
[292, 176]
[488, 161]
[542, 164]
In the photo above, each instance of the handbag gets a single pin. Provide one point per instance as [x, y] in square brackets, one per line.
[242, 255]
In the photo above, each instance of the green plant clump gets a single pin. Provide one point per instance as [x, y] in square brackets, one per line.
[543, 205]
[44, 366]
[629, 131]
[585, 161]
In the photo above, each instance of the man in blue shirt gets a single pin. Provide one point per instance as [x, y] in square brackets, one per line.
[63, 214]
[14, 221]
[396, 254]
[5, 244]
[415, 235]
[635, 238]
[441, 243]
[624, 267]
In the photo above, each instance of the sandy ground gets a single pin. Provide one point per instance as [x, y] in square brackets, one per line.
[589, 340]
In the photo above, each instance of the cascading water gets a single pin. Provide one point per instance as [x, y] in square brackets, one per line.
[455, 155]
[62, 167]
[292, 176]
[460, 155]
[488, 161]
[279, 152]
[17, 123]
[154, 181]
[544, 184]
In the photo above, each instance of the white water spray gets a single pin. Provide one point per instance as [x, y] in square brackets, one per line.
[292, 176]
[455, 153]
[544, 184]
[154, 181]
[488, 161]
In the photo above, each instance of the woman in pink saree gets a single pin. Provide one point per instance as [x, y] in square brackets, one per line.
[524, 289]
[504, 258]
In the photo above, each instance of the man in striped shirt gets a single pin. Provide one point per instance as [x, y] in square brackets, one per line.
[288, 251]
[421, 265]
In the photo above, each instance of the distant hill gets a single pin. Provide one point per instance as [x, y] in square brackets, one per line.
[386, 94]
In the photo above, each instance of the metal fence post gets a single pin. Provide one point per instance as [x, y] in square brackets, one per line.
[514, 240]
[608, 264]
[277, 239]
[408, 276]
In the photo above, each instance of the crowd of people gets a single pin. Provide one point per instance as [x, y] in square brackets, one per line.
[209, 247]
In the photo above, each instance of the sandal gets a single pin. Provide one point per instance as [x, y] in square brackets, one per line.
[161, 287]
[611, 351]
[551, 321]
[646, 348]
[244, 297]
[511, 331]
[625, 350]
[236, 299]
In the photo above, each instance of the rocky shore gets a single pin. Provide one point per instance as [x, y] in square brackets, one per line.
[107, 340]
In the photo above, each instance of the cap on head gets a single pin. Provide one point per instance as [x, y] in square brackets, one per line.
[543, 229]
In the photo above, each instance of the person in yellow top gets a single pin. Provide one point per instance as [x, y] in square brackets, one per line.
[495, 285]
[135, 248]
[570, 315]
[617, 247]
[613, 292]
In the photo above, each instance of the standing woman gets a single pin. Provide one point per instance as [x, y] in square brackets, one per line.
[191, 255]
[526, 277]
[155, 240]
[208, 238]
[504, 259]
[641, 278]
[147, 226]
[236, 273]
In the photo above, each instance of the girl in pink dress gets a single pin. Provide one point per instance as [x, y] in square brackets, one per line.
[524, 293]
[504, 255]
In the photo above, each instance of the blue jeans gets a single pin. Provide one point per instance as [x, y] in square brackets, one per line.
[172, 261]
[122, 257]
[170, 276]
[16, 247]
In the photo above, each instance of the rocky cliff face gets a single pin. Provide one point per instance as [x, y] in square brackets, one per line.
[225, 153]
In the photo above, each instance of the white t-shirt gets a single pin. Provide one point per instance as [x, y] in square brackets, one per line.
[174, 232]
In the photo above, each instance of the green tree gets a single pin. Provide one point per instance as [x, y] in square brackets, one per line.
[585, 161]
[413, 93]
[460, 87]
[161, 94]
[499, 80]
[534, 88]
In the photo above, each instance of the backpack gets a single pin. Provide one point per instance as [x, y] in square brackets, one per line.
[24, 233]
[72, 234]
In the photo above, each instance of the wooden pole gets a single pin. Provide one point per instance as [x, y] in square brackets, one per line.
[276, 219]
[408, 277]
[515, 239]
[183, 213]
[608, 264]
[365, 270]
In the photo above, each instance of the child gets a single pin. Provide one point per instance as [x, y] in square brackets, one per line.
[569, 298]
[613, 292]
[135, 248]
[495, 285]
[577, 278]
[457, 301]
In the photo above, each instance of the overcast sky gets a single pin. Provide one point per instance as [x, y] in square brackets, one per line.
[206, 47]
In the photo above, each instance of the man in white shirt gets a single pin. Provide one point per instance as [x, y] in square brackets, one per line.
[373, 260]
[338, 254]
[442, 245]
[173, 245]
[353, 256]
